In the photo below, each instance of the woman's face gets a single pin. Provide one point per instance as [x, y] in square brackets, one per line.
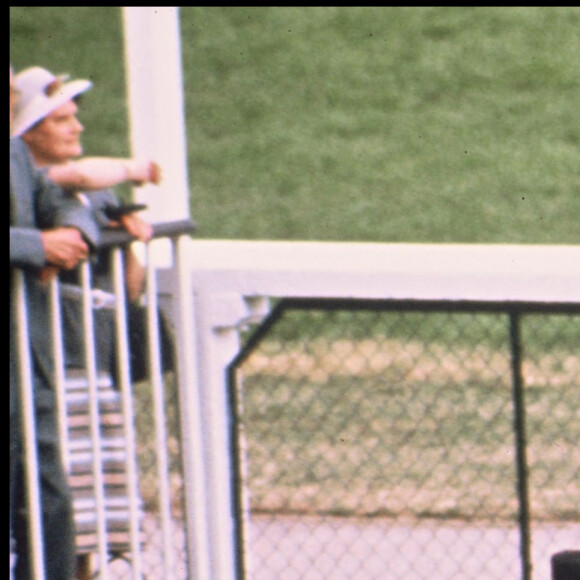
[56, 139]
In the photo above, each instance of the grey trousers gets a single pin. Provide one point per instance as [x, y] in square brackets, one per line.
[55, 497]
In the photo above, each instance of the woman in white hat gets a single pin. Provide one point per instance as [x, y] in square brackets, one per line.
[46, 120]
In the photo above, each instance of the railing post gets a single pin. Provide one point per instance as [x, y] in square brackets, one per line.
[126, 389]
[157, 392]
[59, 374]
[185, 320]
[90, 360]
[219, 317]
[28, 430]
[155, 95]
[521, 443]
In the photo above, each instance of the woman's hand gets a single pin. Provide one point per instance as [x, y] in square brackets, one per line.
[137, 227]
[140, 172]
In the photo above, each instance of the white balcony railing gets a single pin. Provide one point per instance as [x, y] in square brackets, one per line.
[176, 425]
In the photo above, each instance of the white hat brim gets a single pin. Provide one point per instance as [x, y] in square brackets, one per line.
[41, 106]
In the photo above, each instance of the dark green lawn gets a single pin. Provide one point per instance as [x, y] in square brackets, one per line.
[325, 123]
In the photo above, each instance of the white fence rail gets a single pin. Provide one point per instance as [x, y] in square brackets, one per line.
[181, 507]
[231, 282]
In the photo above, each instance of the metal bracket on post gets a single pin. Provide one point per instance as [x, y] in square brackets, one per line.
[231, 311]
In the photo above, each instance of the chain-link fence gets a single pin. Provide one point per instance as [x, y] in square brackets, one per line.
[404, 440]
[377, 440]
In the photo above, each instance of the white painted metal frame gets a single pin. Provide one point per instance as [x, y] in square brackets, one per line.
[155, 100]
[126, 387]
[230, 283]
[219, 285]
[156, 112]
[487, 272]
[18, 300]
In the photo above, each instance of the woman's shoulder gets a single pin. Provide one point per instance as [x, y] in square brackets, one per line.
[19, 154]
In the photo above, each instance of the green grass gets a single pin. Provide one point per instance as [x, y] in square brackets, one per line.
[462, 330]
[442, 451]
[409, 426]
[323, 123]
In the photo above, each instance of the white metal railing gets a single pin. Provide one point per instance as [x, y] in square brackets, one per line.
[231, 282]
[160, 555]
[212, 289]
[28, 427]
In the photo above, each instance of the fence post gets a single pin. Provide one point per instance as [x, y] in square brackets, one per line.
[28, 430]
[185, 320]
[520, 440]
[219, 315]
[155, 97]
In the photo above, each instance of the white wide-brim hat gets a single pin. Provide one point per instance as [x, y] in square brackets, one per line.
[40, 93]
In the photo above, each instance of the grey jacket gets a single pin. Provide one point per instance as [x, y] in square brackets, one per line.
[36, 203]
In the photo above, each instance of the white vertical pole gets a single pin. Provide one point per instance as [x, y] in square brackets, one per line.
[159, 425]
[217, 347]
[128, 412]
[156, 115]
[59, 373]
[94, 421]
[191, 413]
[28, 429]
